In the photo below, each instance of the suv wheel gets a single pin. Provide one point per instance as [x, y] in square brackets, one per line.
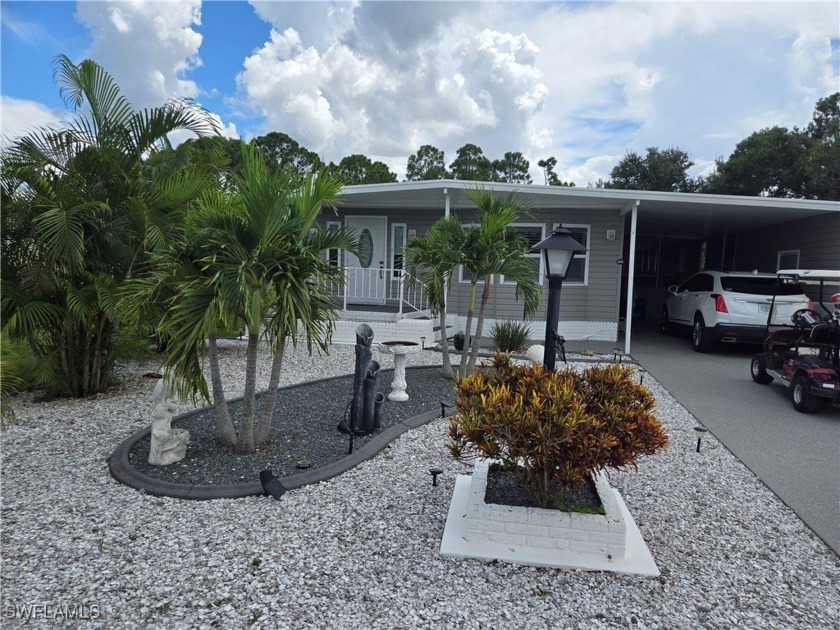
[701, 341]
[801, 396]
[758, 369]
[664, 322]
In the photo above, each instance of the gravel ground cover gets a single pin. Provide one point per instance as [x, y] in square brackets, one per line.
[303, 427]
[361, 550]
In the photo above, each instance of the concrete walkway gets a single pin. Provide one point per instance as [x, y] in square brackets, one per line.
[797, 455]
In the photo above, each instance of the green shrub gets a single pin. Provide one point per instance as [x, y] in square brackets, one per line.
[510, 335]
[17, 373]
[556, 428]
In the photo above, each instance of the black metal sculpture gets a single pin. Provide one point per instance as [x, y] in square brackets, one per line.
[366, 405]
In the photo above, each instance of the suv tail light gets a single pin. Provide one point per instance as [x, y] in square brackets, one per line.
[720, 303]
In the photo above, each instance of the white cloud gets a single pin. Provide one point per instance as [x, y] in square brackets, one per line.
[590, 171]
[20, 116]
[388, 94]
[148, 46]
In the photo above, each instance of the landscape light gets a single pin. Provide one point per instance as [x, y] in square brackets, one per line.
[700, 432]
[271, 484]
[558, 249]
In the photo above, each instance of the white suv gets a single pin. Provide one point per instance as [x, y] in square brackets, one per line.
[729, 307]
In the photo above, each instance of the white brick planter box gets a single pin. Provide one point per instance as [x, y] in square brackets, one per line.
[600, 534]
[523, 535]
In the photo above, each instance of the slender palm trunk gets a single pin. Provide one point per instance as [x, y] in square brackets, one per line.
[245, 441]
[270, 398]
[479, 325]
[462, 369]
[444, 344]
[224, 427]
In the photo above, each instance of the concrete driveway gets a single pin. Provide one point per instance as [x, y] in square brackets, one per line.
[797, 455]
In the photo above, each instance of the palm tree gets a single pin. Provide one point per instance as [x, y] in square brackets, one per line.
[432, 261]
[257, 257]
[493, 247]
[82, 207]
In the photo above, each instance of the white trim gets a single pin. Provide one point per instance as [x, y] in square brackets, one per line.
[537, 255]
[393, 262]
[787, 252]
[623, 199]
[588, 227]
[631, 279]
[461, 277]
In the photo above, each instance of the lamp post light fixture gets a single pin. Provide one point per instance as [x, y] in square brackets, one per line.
[700, 432]
[558, 249]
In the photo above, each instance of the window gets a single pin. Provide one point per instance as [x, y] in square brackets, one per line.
[533, 233]
[398, 232]
[334, 255]
[787, 259]
[466, 277]
[464, 274]
[701, 282]
[578, 272]
[759, 285]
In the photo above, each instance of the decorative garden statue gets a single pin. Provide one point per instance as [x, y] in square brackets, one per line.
[366, 407]
[168, 445]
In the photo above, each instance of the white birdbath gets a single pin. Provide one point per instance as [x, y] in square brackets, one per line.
[399, 349]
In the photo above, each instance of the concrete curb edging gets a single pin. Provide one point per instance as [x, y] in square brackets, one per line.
[122, 470]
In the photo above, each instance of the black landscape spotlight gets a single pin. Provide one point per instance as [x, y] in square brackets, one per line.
[271, 484]
[700, 432]
[435, 472]
[558, 250]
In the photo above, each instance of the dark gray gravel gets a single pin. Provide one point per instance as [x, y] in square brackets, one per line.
[504, 488]
[304, 427]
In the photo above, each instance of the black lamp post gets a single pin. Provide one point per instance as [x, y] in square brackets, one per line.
[558, 250]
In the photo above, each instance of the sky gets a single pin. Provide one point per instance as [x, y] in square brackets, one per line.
[584, 82]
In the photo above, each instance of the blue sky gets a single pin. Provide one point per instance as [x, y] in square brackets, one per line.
[582, 81]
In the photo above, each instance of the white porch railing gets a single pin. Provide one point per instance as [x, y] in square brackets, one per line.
[380, 286]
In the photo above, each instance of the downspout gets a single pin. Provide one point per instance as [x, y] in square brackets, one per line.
[446, 203]
[628, 317]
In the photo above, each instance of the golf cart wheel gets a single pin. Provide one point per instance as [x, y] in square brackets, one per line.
[758, 369]
[700, 339]
[801, 396]
[665, 323]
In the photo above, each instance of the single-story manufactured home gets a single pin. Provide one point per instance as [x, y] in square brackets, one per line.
[638, 243]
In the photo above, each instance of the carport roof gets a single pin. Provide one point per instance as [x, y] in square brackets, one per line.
[687, 214]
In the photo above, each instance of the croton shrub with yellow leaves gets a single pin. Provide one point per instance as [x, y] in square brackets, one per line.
[554, 428]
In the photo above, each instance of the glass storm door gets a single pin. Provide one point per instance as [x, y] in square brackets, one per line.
[366, 272]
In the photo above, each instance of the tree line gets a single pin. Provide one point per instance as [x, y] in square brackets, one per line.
[776, 162]
[773, 162]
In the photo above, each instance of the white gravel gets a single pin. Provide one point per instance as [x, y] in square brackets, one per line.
[361, 551]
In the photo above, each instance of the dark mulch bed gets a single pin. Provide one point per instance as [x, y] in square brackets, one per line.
[304, 427]
[504, 488]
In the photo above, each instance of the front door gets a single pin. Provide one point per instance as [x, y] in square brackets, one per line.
[366, 272]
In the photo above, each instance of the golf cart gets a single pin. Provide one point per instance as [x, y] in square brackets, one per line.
[806, 351]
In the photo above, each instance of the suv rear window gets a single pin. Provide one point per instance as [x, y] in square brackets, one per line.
[759, 286]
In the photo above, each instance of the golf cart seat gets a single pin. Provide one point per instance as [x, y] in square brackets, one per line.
[822, 333]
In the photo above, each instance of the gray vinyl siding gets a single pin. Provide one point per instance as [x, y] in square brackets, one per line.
[816, 238]
[597, 301]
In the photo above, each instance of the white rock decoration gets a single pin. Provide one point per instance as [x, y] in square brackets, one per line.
[168, 445]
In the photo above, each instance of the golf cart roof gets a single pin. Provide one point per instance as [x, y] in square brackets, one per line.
[811, 275]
